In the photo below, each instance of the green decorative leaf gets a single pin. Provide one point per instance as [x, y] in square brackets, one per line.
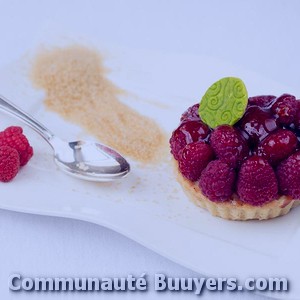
[224, 102]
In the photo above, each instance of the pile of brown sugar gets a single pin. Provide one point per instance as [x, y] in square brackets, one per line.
[77, 88]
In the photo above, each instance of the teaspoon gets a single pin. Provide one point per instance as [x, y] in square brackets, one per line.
[82, 159]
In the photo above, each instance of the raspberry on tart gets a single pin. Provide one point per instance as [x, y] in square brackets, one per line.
[193, 159]
[257, 124]
[264, 101]
[229, 145]
[278, 146]
[191, 114]
[240, 164]
[257, 183]
[285, 109]
[217, 181]
[288, 174]
[188, 132]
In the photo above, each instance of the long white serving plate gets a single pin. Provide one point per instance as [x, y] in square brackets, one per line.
[149, 205]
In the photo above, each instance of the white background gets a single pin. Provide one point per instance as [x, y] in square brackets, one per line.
[261, 36]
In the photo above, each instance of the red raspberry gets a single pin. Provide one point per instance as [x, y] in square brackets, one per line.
[9, 163]
[257, 124]
[177, 142]
[285, 109]
[186, 133]
[13, 136]
[229, 145]
[195, 131]
[257, 183]
[278, 146]
[288, 174]
[191, 114]
[194, 158]
[217, 181]
[264, 101]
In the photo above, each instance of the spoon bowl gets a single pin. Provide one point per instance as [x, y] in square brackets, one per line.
[89, 160]
[82, 159]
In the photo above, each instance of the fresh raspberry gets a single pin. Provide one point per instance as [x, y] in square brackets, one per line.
[9, 163]
[13, 136]
[217, 181]
[229, 145]
[191, 114]
[257, 183]
[177, 142]
[288, 174]
[264, 101]
[186, 133]
[195, 131]
[278, 146]
[285, 109]
[194, 158]
[256, 124]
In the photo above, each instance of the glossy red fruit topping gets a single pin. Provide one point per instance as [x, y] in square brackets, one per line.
[9, 163]
[191, 114]
[217, 181]
[186, 133]
[257, 183]
[195, 131]
[285, 109]
[177, 142]
[194, 158]
[278, 146]
[256, 124]
[13, 136]
[288, 174]
[229, 145]
[262, 101]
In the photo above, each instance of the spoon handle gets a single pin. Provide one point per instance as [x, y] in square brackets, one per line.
[12, 109]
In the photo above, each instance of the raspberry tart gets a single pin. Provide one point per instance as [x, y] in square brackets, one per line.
[239, 157]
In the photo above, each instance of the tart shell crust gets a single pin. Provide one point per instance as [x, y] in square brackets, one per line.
[234, 208]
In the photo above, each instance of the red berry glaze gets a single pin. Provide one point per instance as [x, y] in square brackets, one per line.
[278, 146]
[194, 158]
[191, 114]
[13, 136]
[288, 174]
[261, 101]
[186, 133]
[217, 181]
[257, 124]
[285, 109]
[9, 163]
[257, 183]
[229, 145]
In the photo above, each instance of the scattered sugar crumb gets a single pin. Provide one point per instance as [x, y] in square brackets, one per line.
[77, 88]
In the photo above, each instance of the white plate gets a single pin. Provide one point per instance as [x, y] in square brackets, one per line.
[149, 206]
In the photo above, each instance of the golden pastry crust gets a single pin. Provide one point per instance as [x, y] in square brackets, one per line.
[235, 209]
